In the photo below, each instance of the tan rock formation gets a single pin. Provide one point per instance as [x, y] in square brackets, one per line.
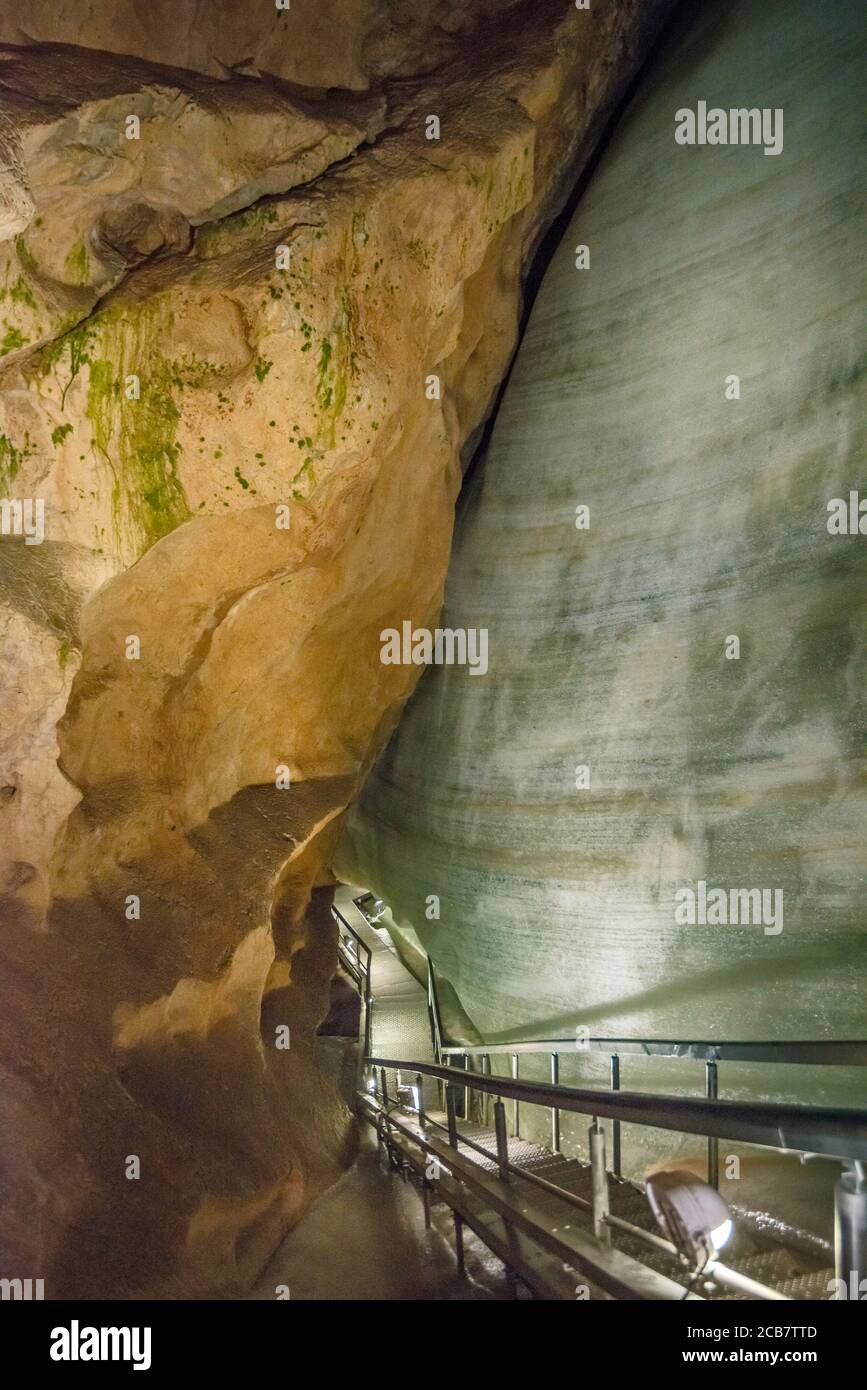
[123, 159]
[317, 43]
[247, 471]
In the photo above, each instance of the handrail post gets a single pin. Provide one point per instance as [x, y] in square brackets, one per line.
[502, 1139]
[599, 1176]
[422, 1117]
[451, 1115]
[466, 1089]
[712, 1091]
[434, 1012]
[368, 1002]
[517, 1126]
[486, 1071]
[383, 1085]
[850, 1230]
[555, 1113]
[615, 1127]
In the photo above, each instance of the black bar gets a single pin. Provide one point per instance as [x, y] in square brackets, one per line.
[615, 1128]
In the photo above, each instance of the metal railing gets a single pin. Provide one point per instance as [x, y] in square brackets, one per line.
[433, 1013]
[819, 1053]
[835, 1132]
[355, 956]
[797, 1052]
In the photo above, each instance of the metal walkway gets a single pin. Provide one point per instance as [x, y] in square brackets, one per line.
[558, 1232]
[562, 1227]
[789, 1272]
[399, 1022]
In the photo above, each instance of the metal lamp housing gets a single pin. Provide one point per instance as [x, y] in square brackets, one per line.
[691, 1213]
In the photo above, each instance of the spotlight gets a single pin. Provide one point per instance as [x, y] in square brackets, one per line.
[691, 1213]
[372, 908]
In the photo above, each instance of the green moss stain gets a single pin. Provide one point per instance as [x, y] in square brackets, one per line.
[235, 230]
[262, 367]
[11, 459]
[58, 435]
[137, 437]
[76, 345]
[25, 256]
[12, 339]
[243, 481]
[21, 293]
[304, 472]
[336, 356]
[195, 371]
[77, 264]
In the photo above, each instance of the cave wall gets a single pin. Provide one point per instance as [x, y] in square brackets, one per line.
[244, 478]
[312, 43]
[708, 518]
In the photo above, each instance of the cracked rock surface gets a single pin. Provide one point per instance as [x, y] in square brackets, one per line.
[220, 343]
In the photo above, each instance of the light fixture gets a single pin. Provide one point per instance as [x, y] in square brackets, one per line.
[372, 908]
[691, 1213]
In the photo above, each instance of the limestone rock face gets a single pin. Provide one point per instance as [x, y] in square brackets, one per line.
[123, 159]
[248, 449]
[316, 43]
[708, 519]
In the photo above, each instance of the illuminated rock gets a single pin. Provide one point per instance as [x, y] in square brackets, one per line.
[245, 480]
[623, 745]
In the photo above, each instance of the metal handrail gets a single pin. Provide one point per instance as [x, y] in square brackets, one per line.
[349, 963]
[715, 1269]
[362, 974]
[838, 1133]
[341, 920]
[834, 1132]
[851, 1053]
[433, 1008]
